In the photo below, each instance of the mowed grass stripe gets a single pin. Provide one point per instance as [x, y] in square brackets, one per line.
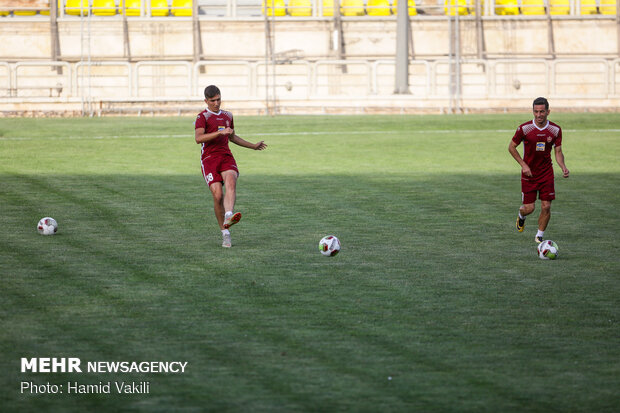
[433, 288]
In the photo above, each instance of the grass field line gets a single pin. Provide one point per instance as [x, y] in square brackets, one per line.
[371, 132]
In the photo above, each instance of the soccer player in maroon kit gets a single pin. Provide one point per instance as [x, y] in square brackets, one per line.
[214, 128]
[538, 137]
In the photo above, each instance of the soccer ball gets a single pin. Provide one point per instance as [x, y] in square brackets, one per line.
[47, 226]
[329, 246]
[548, 250]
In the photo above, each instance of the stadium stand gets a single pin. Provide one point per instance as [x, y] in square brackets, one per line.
[508, 67]
[104, 7]
[378, 7]
[300, 8]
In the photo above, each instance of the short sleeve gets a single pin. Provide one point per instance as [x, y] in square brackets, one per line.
[200, 122]
[518, 136]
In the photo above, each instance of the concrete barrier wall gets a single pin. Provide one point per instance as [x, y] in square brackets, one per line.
[172, 38]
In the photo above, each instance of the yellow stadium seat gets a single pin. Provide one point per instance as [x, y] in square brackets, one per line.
[506, 7]
[378, 7]
[274, 8]
[159, 8]
[300, 8]
[410, 5]
[608, 7]
[559, 7]
[104, 7]
[328, 8]
[181, 8]
[533, 7]
[352, 7]
[76, 7]
[451, 7]
[588, 7]
[4, 13]
[132, 7]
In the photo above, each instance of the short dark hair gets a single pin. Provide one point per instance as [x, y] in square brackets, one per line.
[541, 101]
[211, 91]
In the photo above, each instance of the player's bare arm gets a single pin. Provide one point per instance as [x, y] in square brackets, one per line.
[202, 137]
[559, 157]
[259, 146]
[512, 148]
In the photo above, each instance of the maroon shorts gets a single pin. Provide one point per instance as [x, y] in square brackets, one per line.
[545, 190]
[214, 165]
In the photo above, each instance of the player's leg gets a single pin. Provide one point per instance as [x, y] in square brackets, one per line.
[230, 197]
[218, 207]
[528, 198]
[545, 215]
[218, 202]
[547, 194]
[230, 183]
[215, 182]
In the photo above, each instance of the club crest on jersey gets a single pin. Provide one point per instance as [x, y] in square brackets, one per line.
[540, 146]
[549, 139]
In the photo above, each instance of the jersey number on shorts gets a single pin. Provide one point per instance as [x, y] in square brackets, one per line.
[209, 177]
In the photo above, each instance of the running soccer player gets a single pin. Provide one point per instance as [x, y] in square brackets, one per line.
[538, 137]
[214, 128]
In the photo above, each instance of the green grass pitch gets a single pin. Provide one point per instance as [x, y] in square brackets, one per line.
[435, 303]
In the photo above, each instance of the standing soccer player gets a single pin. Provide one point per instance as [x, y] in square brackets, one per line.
[214, 128]
[538, 137]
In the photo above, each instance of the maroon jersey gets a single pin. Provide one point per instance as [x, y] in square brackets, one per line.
[213, 122]
[537, 144]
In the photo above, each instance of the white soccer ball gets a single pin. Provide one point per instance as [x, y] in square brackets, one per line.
[47, 226]
[329, 245]
[548, 250]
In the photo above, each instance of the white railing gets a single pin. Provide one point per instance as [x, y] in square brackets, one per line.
[41, 79]
[519, 77]
[237, 78]
[5, 78]
[303, 80]
[615, 77]
[157, 79]
[103, 79]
